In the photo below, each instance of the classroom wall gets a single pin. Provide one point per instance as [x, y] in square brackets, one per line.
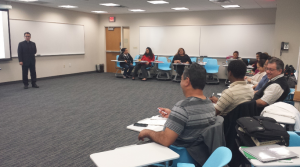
[55, 65]
[287, 29]
[222, 17]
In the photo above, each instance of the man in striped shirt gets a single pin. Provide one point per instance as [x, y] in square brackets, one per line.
[189, 117]
[239, 92]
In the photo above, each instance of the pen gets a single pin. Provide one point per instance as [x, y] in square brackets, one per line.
[212, 94]
[162, 111]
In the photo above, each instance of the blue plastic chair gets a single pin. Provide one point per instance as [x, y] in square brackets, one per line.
[290, 97]
[171, 58]
[294, 139]
[219, 158]
[163, 68]
[119, 68]
[206, 59]
[212, 67]
[135, 58]
[194, 59]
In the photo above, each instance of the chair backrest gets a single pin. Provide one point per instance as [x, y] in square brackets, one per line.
[171, 58]
[163, 65]
[294, 139]
[135, 58]
[118, 63]
[212, 62]
[205, 59]
[219, 158]
[194, 59]
[155, 57]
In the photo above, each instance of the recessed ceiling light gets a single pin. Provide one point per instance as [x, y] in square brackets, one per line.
[230, 6]
[136, 10]
[158, 2]
[68, 6]
[28, 0]
[181, 8]
[99, 11]
[109, 4]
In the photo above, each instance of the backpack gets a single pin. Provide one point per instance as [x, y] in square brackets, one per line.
[258, 130]
[289, 75]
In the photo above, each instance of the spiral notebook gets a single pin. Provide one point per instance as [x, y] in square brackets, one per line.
[270, 153]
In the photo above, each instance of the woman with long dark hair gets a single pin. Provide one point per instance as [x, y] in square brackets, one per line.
[181, 57]
[149, 57]
[127, 65]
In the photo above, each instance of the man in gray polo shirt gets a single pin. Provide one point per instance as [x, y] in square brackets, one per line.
[188, 117]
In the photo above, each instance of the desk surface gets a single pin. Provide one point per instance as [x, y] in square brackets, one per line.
[296, 161]
[135, 155]
[117, 61]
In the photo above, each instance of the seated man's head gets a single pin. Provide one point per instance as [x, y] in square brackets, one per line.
[236, 70]
[193, 78]
[235, 55]
[274, 68]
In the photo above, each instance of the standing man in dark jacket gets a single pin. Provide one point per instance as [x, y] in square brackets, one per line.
[127, 65]
[26, 54]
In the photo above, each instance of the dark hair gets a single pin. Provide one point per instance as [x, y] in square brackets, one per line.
[261, 62]
[279, 63]
[259, 53]
[197, 75]
[27, 33]
[236, 52]
[123, 50]
[150, 54]
[264, 56]
[238, 68]
[179, 50]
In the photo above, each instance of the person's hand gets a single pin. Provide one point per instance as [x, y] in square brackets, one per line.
[214, 99]
[165, 112]
[147, 62]
[254, 86]
[249, 80]
[187, 62]
[143, 134]
[131, 64]
[125, 61]
[21, 63]
[245, 77]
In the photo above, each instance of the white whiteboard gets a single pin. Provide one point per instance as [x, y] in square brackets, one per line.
[211, 41]
[222, 41]
[50, 38]
[167, 40]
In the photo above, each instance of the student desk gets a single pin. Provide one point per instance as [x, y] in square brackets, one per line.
[134, 155]
[295, 161]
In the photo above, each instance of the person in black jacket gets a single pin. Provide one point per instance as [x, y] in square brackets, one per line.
[26, 55]
[181, 57]
[127, 65]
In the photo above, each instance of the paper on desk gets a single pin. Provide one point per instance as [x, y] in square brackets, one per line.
[137, 128]
[158, 117]
[153, 122]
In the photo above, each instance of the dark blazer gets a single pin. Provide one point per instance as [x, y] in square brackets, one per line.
[26, 52]
[123, 58]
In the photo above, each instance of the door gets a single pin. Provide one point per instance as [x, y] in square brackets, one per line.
[113, 47]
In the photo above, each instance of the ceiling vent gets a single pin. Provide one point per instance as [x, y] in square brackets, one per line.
[220, 1]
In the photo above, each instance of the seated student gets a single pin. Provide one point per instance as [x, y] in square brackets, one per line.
[181, 57]
[257, 77]
[254, 69]
[276, 89]
[194, 111]
[149, 57]
[239, 92]
[264, 79]
[236, 55]
[127, 65]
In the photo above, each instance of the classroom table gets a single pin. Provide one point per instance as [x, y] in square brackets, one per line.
[135, 155]
[295, 161]
[117, 61]
[175, 65]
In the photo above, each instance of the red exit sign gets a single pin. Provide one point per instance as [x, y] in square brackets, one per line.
[112, 19]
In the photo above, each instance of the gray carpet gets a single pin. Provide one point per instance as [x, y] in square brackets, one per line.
[69, 118]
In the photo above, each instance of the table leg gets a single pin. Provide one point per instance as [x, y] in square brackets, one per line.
[167, 164]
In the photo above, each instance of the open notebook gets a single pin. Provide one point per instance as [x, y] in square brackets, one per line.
[269, 153]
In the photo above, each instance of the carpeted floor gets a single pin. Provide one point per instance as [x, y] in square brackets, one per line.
[71, 117]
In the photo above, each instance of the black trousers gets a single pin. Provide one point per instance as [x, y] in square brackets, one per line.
[143, 69]
[31, 67]
[180, 70]
[126, 67]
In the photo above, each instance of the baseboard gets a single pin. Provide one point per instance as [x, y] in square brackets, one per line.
[45, 78]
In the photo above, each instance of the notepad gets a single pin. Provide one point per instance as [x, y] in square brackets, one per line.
[270, 153]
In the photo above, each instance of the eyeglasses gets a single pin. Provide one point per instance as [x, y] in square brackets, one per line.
[270, 69]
